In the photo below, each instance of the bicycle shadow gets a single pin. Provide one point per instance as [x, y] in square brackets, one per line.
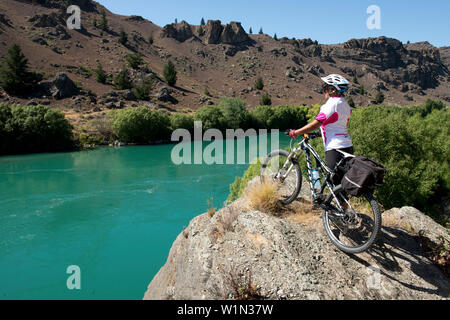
[396, 250]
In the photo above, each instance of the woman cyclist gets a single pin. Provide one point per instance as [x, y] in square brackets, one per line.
[333, 121]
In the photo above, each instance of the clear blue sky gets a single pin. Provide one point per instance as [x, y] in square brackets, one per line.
[328, 21]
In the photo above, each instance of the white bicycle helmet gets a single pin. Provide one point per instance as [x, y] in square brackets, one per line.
[337, 81]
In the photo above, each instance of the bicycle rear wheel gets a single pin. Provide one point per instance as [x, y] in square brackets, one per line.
[272, 171]
[359, 228]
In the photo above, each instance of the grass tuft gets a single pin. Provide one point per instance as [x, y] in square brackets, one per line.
[264, 197]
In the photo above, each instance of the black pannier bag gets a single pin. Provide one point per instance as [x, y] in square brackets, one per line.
[362, 174]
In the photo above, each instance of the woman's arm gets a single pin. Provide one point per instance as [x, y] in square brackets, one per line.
[308, 128]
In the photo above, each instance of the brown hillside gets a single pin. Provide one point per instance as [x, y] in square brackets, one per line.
[224, 59]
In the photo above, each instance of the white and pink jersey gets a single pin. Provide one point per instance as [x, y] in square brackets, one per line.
[334, 116]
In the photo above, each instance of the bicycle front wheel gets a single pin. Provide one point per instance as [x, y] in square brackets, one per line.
[288, 187]
[359, 228]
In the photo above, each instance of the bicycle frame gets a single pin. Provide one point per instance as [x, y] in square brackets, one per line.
[326, 173]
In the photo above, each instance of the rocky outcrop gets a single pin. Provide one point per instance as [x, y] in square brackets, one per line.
[178, 31]
[420, 65]
[4, 20]
[59, 87]
[47, 20]
[290, 257]
[232, 33]
[135, 19]
[85, 5]
[164, 95]
[214, 32]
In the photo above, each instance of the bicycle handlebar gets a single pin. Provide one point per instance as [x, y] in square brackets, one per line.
[308, 136]
[313, 135]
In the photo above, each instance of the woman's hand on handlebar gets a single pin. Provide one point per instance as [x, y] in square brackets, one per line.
[291, 133]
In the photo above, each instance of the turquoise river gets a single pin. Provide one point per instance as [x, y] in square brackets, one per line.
[113, 212]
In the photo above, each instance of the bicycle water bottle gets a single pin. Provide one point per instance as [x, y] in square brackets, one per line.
[316, 179]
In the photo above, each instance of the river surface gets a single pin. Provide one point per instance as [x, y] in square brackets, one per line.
[111, 212]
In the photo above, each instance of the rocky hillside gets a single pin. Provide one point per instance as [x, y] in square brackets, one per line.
[215, 60]
[290, 257]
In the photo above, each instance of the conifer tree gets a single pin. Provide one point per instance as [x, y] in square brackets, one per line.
[122, 81]
[100, 74]
[103, 25]
[170, 74]
[15, 77]
[259, 84]
[123, 37]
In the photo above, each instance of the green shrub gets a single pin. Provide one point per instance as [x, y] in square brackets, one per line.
[142, 90]
[262, 116]
[150, 38]
[289, 117]
[313, 111]
[135, 60]
[265, 100]
[170, 74]
[379, 99]
[211, 117]
[100, 74]
[362, 90]
[259, 84]
[33, 129]
[85, 71]
[414, 149]
[141, 125]
[122, 81]
[103, 24]
[235, 115]
[182, 121]
[15, 78]
[280, 117]
[123, 37]
[350, 102]
[429, 106]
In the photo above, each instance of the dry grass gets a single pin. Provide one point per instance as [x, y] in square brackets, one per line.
[227, 218]
[211, 210]
[224, 223]
[264, 197]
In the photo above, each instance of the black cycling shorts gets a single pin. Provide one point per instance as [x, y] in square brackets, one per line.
[332, 158]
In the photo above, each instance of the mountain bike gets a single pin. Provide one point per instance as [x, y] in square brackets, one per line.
[352, 223]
